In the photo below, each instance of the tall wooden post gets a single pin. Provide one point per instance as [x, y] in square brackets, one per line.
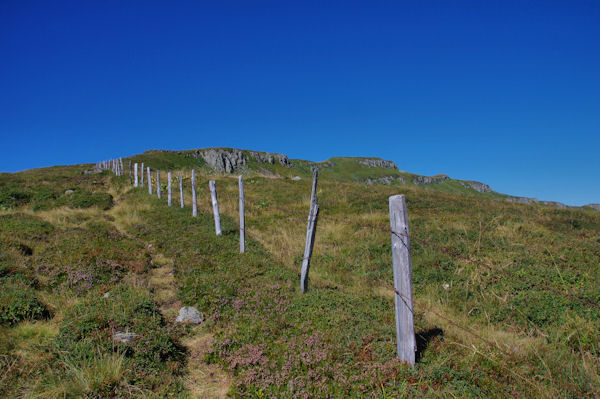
[143, 171]
[405, 329]
[242, 216]
[149, 181]
[130, 174]
[135, 168]
[181, 189]
[194, 204]
[158, 184]
[215, 206]
[311, 230]
[169, 188]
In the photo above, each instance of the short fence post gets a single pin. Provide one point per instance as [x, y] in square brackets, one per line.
[194, 205]
[215, 206]
[149, 181]
[158, 184]
[242, 217]
[142, 173]
[405, 329]
[313, 215]
[169, 188]
[181, 189]
[135, 168]
[130, 177]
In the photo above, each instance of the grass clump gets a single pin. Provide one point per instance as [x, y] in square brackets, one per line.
[19, 302]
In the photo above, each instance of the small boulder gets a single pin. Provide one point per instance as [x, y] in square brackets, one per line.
[296, 178]
[124, 337]
[69, 192]
[189, 314]
[106, 295]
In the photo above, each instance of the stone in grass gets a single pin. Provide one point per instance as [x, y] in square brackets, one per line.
[124, 337]
[296, 178]
[189, 314]
[69, 192]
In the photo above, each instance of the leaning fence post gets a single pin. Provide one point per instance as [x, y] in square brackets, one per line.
[181, 189]
[242, 217]
[194, 205]
[215, 206]
[158, 183]
[405, 329]
[135, 168]
[169, 188]
[311, 229]
[142, 173]
[149, 182]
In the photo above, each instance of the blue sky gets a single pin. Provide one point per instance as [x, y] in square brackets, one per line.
[503, 92]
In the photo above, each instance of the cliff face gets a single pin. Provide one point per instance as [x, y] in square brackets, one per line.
[379, 163]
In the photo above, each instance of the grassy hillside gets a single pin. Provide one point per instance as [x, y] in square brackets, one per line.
[502, 291]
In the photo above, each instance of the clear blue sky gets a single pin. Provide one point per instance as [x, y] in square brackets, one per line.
[503, 92]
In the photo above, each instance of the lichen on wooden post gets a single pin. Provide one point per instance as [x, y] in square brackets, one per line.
[242, 216]
[135, 168]
[169, 188]
[215, 206]
[311, 230]
[405, 330]
[181, 189]
[194, 204]
[142, 174]
[158, 184]
[149, 181]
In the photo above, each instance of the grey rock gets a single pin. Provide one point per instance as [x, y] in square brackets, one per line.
[223, 161]
[420, 180]
[268, 157]
[385, 180]
[189, 314]
[522, 200]
[296, 178]
[106, 295]
[555, 204]
[124, 337]
[594, 206]
[379, 163]
[67, 192]
[477, 186]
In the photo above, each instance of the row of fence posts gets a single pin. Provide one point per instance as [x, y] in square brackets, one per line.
[114, 165]
[401, 260]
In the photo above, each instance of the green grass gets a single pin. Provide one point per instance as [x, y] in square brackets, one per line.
[57, 260]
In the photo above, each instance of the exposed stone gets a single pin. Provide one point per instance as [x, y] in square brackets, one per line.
[522, 200]
[296, 178]
[477, 186]
[379, 163]
[106, 295]
[189, 314]
[223, 161]
[385, 180]
[420, 180]
[124, 337]
[555, 204]
[268, 157]
[594, 206]
[67, 192]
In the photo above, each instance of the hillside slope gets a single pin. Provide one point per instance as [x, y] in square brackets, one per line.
[506, 300]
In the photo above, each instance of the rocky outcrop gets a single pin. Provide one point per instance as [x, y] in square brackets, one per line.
[526, 200]
[385, 180]
[555, 204]
[477, 186]
[379, 163]
[593, 206]
[223, 161]
[268, 157]
[420, 180]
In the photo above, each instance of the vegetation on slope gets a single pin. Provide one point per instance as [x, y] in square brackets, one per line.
[474, 262]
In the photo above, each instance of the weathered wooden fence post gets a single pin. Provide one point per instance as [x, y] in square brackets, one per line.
[313, 215]
[130, 174]
[215, 206]
[158, 184]
[143, 170]
[181, 189]
[194, 204]
[242, 217]
[149, 181]
[169, 188]
[135, 168]
[405, 329]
